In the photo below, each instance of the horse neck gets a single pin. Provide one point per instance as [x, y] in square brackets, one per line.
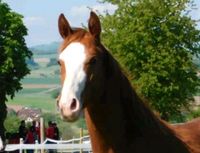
[119, 117]
[98, 142]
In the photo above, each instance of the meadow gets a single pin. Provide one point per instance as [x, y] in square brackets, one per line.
[42, 101]
[40, 89]
[40, 86]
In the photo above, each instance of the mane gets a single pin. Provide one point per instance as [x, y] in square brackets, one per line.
[139, 120]
[139, 113]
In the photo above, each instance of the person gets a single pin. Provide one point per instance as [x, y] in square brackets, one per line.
[56, 131]
[37, 129]
[50, 135]
[30, 138]
[22, 130]
[50, 131]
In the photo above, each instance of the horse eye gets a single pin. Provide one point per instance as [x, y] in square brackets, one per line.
[93, 61]
[58, 62]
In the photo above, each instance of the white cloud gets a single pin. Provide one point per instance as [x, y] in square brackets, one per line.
[34, 21]
[102, 8]
[79, 10]
[78, 15]
[83, 10]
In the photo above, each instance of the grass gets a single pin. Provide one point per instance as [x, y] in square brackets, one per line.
[31, 90]
[45, 56]
[34, 94]
[42, 101]
[32, 80]
[38, 87]
[45, 72]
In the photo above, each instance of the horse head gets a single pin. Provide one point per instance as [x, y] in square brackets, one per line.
[81, 61]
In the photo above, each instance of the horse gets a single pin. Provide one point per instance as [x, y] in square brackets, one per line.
[118, 120]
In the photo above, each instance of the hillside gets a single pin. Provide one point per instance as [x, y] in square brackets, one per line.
[42, 85]
[43, 49]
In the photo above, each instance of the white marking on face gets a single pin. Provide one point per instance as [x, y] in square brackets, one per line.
[73, 57]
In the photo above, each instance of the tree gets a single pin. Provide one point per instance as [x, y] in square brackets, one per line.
[156, 41]
[12, 123]
[13, 55]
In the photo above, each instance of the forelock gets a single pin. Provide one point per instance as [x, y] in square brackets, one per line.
[77, 36]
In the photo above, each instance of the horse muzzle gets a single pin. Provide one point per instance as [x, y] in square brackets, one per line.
[70, 110]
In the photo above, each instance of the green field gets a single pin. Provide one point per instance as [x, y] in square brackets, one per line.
[31, 91]
[37, 95]
[39, 86]
[42, 101]
[47, 80]
[45, 55]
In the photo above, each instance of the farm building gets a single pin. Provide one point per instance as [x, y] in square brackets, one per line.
[29, 114]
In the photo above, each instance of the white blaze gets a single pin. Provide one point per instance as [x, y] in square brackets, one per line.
[73, 57]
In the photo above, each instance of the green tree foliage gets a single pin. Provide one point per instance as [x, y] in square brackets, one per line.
[156, 41]
[13, 54]
[12, 123]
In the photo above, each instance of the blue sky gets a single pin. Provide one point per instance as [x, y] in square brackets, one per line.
[40, 16]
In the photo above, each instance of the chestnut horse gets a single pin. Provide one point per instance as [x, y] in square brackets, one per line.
[118, 120]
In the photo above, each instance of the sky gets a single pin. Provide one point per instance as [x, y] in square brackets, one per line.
[41, 16]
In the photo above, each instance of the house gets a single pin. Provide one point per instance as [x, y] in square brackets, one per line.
[29, 114]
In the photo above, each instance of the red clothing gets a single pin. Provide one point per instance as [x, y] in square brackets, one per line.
[30, 138]
[37, 129]
[50, 132]
[14, 141]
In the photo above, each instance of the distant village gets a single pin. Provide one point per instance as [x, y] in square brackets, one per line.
[26, 113]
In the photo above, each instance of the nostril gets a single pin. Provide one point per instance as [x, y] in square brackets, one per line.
[73, 104]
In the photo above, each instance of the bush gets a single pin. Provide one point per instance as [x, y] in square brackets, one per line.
[193, 114]
[12, 123]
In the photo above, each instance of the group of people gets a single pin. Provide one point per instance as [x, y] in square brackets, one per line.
[52, 131]
[32, 134]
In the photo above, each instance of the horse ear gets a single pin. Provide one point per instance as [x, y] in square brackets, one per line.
[94, 25]
[64, 27]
